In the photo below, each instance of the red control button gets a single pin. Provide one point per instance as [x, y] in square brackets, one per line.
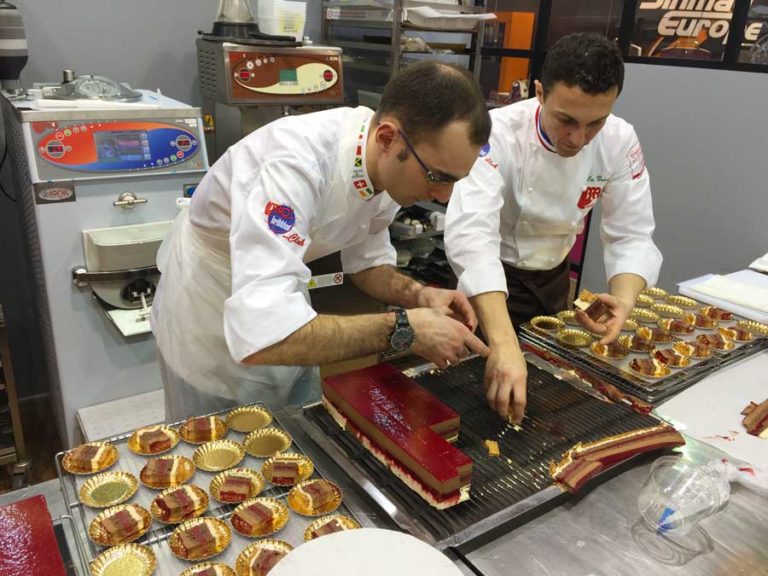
[327, 75]
[245, 75]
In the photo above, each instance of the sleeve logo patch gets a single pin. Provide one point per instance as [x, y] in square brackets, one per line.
[589, 197]
[636, 161]
[280, 218]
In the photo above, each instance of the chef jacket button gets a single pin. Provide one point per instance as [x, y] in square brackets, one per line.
[551, 259]
[530, 190]
[525, 221]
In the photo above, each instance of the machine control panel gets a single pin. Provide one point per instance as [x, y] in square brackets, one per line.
[282, 74]
[117, 146]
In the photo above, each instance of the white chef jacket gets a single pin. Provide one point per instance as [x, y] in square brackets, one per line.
[523, 204]
[289, 193]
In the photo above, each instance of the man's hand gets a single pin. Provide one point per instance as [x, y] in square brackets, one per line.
[456, 301]
[442, 339]
[610, 324]
[506, 376]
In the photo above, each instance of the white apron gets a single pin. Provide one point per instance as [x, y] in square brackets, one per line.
[199, 373]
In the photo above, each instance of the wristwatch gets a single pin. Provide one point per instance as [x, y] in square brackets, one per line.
[402, 336]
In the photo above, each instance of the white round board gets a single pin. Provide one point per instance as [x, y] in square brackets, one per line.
[369, 551]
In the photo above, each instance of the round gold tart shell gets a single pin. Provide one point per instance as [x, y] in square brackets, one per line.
[659, 335]
[218, 432]
[184, 471]
[636, 343]
[257, 483]
[677, 360]
[568, 317]
[644, 301]
[218, 455]
[574, 338]
[248, 418]
[722, 343]
[667, 311]
[107, 459]
[99, 534]
[737, 334]
[693, 349]
[612, 351]
[655, 293]
[135, 447]
[191, 490]
[659, 368]
[220, 530]
[305, 468]
[347, 523]
[547, 323]
[681, 301]
[218, 568]
[756, 328]
[124, 560]
[266, 442]
[280, 516]
[644, 315]
[243, 563]
[108, 489]
[298, 505]
[629, 325]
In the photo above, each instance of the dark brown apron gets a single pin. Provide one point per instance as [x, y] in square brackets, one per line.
[536, 292]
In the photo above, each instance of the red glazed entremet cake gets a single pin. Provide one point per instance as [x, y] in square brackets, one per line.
[585, 460]
[28, 544]
[405, 427]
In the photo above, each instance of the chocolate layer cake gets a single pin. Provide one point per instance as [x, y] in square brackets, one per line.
[257, 520]
[235, 489]
[154, 441]
[405, 427]
[264, 561]
[198, 541]
[755, 420]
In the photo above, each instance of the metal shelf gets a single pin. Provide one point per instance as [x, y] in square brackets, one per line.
[387, 25]
[387, 48]
[367, 67]
[411, 4]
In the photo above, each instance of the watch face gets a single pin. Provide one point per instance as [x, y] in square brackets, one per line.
[401, 339]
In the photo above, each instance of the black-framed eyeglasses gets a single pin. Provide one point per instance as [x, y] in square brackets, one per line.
[431, 176]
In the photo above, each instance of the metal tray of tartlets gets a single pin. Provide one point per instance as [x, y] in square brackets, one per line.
[119, 483]
[673, 360]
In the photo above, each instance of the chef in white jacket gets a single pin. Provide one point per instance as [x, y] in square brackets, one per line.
[511, 225]
[231, 316]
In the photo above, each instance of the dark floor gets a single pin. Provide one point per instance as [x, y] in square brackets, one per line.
[41, 442]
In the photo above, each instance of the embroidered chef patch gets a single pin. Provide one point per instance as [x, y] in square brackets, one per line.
[280, 218]
[485, 149]
[636, 161]
[589, 197]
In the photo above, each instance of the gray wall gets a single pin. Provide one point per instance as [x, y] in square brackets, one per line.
[705, 138]
[148, 44]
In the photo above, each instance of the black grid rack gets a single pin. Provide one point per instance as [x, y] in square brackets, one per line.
[557, 417]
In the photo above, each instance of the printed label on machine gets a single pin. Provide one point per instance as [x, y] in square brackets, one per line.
[54, 192]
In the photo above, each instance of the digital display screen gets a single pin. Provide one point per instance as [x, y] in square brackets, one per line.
[288, 76]
[122, 146]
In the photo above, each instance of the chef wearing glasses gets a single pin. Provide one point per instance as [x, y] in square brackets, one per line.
[231, 317]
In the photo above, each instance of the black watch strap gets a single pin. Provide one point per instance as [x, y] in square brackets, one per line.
[401, 338]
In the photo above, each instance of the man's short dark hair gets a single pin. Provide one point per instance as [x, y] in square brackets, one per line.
[427, 96]
[584, 59]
